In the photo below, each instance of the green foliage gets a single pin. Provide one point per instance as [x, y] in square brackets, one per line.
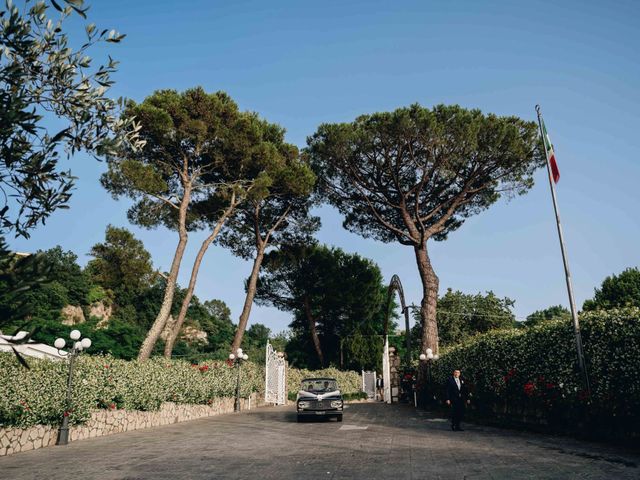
[281, 211]
[462, 315]
[18, 275]
[343, 293]
[42, 77]
[534, 370]
[617, 291]
[57, 281]
[198, 143]
[121, 264]
[63, 267]
[255, 340]
[212, 317]
[417, 173]
[557, 312]
[349, 382]
[37, 396]
[97, 294]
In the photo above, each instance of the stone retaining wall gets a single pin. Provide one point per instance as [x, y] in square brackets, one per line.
[107, 422]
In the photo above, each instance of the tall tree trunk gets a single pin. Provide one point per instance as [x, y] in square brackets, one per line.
[313, 330]
[248, 301]
[430, 285]
[167, 301]
[177, 325]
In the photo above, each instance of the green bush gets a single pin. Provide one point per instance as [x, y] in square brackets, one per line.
[37, 396]
[348, 381]
[96, 294]
[532, 373]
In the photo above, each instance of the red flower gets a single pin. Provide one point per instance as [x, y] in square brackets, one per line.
[66, 413]
[550, 385]
[529, 388]
[204, 368]
[112, 406]
[106, 366]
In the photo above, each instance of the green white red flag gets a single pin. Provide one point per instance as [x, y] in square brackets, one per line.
[551, 156]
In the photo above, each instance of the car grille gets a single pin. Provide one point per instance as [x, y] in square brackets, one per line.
[320, 405]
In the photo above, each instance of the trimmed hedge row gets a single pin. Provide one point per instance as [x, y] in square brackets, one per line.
[349, 382]
[37, 396]
[531, 374]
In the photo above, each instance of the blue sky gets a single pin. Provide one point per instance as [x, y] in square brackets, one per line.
[300, 64]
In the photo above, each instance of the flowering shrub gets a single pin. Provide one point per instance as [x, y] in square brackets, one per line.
[349, 382]
[37, 396]
[533, 371]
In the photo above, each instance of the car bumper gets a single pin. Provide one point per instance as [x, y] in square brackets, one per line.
[320, 413]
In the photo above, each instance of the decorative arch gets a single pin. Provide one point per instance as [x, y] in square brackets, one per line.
[394, 286]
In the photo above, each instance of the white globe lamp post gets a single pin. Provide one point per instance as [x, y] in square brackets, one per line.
[238, 358]
[78, 346]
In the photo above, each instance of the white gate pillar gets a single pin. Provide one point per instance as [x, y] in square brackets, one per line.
[386, 371]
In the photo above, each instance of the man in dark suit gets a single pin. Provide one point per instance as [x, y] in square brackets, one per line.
[456, 399]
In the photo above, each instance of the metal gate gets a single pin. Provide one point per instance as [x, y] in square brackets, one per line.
[275, 388]
[369, 383]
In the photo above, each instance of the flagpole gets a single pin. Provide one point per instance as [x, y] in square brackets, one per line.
[572, 302]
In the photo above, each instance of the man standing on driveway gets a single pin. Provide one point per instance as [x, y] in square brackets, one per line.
[456, 399]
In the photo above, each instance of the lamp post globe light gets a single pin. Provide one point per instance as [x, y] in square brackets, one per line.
[78, 346]
[238, 358]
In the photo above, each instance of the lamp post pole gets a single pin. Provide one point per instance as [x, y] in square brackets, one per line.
[78, 346]
[237, 359]
[429, 358]
[236, 405]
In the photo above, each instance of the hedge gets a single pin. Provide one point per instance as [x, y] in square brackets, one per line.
[349, 382]
[37, 396]
[531, 374]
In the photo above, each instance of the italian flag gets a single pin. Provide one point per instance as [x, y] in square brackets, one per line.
[551, 156]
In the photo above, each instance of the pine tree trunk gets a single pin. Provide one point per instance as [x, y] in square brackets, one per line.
[248, 301]
[165, 310]
[177, 325]
[428, 305]
[313, 330]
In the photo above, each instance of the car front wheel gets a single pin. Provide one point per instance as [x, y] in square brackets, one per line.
[339, 418]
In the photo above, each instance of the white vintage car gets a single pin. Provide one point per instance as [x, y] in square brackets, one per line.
[319, 397]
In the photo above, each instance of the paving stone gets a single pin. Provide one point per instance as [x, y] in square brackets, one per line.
[398, 443]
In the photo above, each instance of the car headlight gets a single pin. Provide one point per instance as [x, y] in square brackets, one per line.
[336, 404]
[303, 404]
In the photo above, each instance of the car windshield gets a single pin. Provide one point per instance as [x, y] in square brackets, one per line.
[319, 385]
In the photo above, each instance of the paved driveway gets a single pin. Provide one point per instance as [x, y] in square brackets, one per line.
[375, 441]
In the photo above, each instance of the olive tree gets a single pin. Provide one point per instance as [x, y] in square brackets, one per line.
[52, 98]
